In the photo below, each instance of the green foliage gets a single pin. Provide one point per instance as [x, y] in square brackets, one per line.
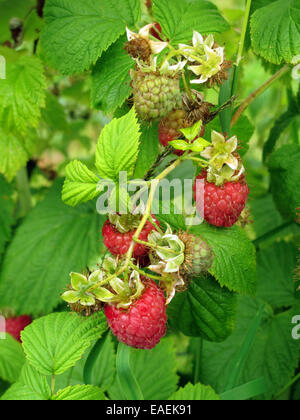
[85, 30]
[234, 257]
[195, 392]
[111, 79]
[156, 380]
[11, 359]
[118, 146]
[149, 148]
[180, 17]
[276, 277]
[285, 179]
[6, 213]
[63, 339]
[205, 310]
[277, 367]
[52, 241]
[80, 185]
[80, 392]
[272, 29]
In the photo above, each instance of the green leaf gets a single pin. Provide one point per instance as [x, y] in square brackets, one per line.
[148, 151]
[55, 343]
[19, 392]
[35, 382]
[244, 131]
[118, 145]
[204, 310]
[180, 144]
[247, 391]
[156, 380]
[196, 392]
[265, 215]
[111, 78]
[276, 274]
[285, 179]
[80, 393]
[11, 359]
[234, 257]
[274, 354]
[80, 185]
[281, 125]
[15, 152]
[76, 34]
[275, 31]
[100, 367]
[22, 95]
[6, 213]
[180, 17]
[59, 240]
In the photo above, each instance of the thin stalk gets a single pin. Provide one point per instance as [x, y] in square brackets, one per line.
[248, 101]
[287, 386]
[53, 379]
[244, 31]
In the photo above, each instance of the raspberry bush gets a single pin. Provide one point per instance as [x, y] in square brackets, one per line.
[149, 200]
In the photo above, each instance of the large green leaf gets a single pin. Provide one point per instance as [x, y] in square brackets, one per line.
[11, 359]
[55, 343]
[285, 179]
[204, 310]
[179, 18]
[118, 146]
[275, 31]
[276, 274]
[6, 216]
[52, 241]
[77, 33]
[154, 370]
[111, 78]
[196, 392]
[80, 393]
[234, 257]
[274, 354]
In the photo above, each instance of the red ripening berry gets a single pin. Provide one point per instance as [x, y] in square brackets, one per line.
[144, 323]
[118, 243]
[14, 326]
[224, 204]
[156, 31]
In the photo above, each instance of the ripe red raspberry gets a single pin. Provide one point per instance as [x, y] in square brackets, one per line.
[222, 205]
[14, 326]
[119, 243]
[144, 323]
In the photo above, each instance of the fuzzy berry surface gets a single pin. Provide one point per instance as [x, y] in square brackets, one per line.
[144, 324]
[118, 243]
[223, 205]
[14, 326]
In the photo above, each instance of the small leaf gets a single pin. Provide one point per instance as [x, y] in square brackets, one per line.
[12, 359]
[180, 144]
[191, 133]
[118, 145]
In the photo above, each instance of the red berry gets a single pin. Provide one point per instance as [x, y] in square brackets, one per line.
[14, 326]
[222, 205]
[156, 31]
[119, 243]
[149, 4]
[144, 323]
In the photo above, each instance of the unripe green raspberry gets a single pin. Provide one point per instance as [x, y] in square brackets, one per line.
[155, 95]
[198, 255]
